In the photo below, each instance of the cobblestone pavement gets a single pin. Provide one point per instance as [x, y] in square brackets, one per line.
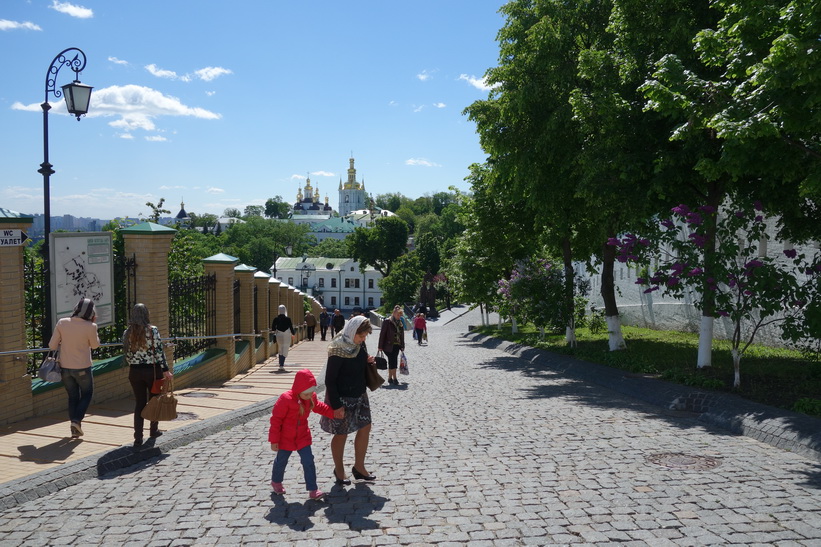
[476, 447]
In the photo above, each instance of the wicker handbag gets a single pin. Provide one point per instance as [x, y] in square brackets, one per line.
[163, 407]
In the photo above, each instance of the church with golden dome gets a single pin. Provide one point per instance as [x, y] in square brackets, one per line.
[352, 195]
[308, 203]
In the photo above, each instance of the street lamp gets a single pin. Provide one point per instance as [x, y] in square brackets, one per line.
[306, 267]
[77, 97]
[288, 250]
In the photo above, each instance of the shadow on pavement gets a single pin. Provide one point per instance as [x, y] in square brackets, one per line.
[294, 515]
[128, 459]
[353, 505]
[50, 453]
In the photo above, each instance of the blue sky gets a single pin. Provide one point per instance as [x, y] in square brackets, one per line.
[226, 104]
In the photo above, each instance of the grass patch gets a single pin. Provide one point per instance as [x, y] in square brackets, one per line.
[773, 376]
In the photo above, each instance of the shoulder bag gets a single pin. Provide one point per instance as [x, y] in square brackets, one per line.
[50, 370]
[163, 407]
[372, 378]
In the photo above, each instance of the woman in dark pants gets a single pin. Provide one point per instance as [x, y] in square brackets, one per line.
[143, 352]
[392, 341]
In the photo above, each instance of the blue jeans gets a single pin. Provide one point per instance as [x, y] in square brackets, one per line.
[79, 384]
[308, 467]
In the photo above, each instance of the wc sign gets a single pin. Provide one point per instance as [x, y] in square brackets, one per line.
[12, 238]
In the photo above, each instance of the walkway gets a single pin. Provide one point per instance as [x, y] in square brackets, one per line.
[475, 447]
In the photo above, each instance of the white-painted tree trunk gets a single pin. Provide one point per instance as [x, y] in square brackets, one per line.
[541, 333]
[736, 368]
[513, 327]
[615, 337]
[570, 336]
[705, 342]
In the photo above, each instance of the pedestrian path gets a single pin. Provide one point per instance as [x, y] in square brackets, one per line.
[43, 443]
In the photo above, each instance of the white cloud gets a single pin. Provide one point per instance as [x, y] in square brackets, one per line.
[297, 177]
[421, 162]
[177, 187]
[419, 108]
[136, 107]
[212, 190]
[478, 83]
[161, 73]
[424, 76]
[210, 93]
[211, 73]
[156, 138]
[117, 61]
[5, 24]
[127, 136]
[323, 174]
[70, 9]
[393, 103]
[439, 105]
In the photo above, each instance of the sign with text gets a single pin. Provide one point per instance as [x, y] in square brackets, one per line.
[82, 266]
[12, 238]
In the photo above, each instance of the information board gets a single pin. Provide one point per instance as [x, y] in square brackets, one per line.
[82, 266]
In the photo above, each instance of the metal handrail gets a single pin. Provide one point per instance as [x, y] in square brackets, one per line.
[169, 342]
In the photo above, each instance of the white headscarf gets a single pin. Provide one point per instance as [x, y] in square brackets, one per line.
[343, 344]
[283, 310]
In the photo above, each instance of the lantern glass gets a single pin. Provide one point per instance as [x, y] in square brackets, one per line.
[78, 97]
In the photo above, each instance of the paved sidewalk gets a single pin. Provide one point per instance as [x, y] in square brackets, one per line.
[477, 446]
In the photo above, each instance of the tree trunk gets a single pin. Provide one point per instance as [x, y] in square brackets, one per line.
[608, 294]
[736, 368]
[513, 327]
[570, 331]
[705, 342]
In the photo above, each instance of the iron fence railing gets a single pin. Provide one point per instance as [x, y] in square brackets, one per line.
[192, 314]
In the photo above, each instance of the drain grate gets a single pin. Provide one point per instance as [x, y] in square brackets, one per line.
[672, 460]
[185, 416]
[201, 394]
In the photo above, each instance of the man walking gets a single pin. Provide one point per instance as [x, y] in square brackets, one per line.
[324, 323]
[337, 323]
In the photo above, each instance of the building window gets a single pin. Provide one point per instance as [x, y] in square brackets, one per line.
[291, 281]
[347, 300]
[347, 283]
[356, 283]
[333, 301]
[321, 281]
[356, 301]
[370, 301]
[333, 282]
[370, 283]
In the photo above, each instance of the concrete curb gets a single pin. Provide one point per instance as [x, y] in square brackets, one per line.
[49, 481]
[783, 429]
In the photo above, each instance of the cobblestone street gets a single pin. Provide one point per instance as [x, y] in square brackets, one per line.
[474, 447]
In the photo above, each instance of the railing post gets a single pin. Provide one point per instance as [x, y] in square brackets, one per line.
[222, 265]
[15, 385]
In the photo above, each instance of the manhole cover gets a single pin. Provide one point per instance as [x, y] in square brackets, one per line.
[683, 461]
[238, 386]
[199, 394]
[183, 416]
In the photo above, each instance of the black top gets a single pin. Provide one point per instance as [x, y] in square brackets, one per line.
[345, 377]
[338, 321]
[283, 323]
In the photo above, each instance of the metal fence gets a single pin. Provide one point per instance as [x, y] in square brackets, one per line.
[192, 313]
[125, 296]
[35, 291]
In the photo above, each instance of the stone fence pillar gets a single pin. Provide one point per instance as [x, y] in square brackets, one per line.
[245, 275]
[222, 265]
[263, 310]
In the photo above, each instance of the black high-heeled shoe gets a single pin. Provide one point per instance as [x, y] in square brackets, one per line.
[360, 477]
[341, 482]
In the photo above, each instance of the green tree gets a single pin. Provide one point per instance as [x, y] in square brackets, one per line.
[232, 212]
[156, 210]
[256, 241]
[402, 285]
[380, 245]
[254, 210]
[331, 248]
[427, 251]
[276, 208]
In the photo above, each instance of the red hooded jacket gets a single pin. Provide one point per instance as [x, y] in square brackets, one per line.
[289, 428]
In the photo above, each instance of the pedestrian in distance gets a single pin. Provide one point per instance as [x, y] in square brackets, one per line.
[144, 355]
[392, 341]
[346, 389]
[324, 323]
[419, 327]
[337, 323]
[284, 330]
[310, 324]
[75, 337]
[289, 431]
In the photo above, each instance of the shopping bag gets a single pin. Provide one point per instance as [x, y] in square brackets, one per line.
[50, 370]
[381, 362]
[161, 408]
[403, 364]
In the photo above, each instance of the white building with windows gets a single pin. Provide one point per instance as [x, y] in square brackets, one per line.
[335, 282]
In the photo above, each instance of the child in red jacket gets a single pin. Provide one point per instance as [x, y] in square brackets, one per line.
[289, 430]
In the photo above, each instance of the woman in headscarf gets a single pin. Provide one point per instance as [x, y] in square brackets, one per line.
[346, 388]
[143, 352]
[75, 337]
[284, 330]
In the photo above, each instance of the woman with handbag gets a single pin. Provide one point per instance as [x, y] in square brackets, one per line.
[75, 337]
[392, 341]
[283, 327]
[144, 355]
[345, 382]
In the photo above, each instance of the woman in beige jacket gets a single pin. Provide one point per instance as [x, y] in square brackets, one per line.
[75, 337]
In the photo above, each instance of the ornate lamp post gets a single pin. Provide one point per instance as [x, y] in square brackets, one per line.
[77, 97]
